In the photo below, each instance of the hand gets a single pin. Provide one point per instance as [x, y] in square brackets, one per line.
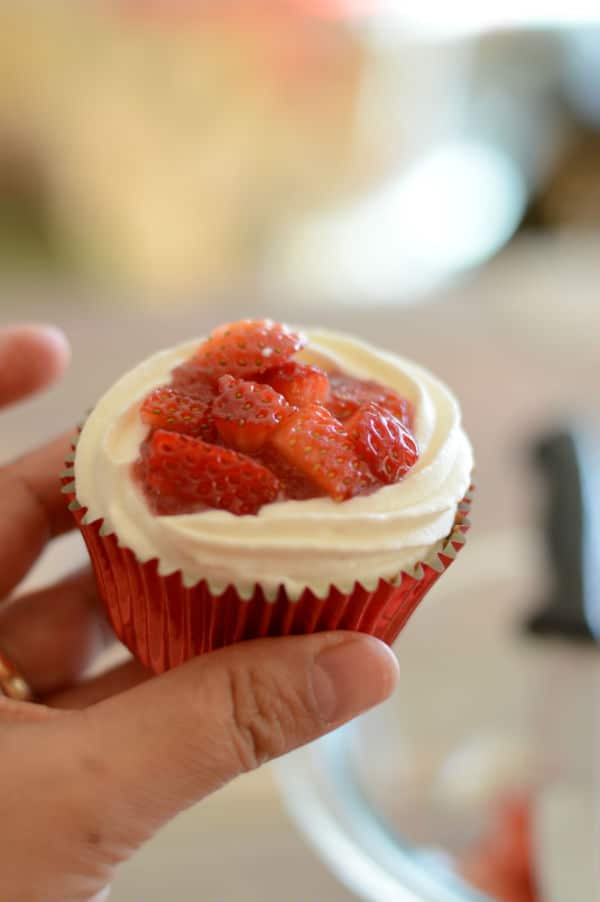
[98, 766]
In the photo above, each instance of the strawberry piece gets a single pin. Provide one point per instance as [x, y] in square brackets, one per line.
[246, 413]
[383, 441]
[295, 485]
[299, 383]
[317, 444]
[168, 409]
[183, 473]
[348, 394]
[190, 379]
[247, 348]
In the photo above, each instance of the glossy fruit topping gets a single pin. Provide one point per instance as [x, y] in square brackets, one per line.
[299, 383]
[166, 408]
[383, 441]
[242, 424]
[194, 472]
[190, 379]
[319, 447]
[246, 348]
[348, 394]
[247, 413]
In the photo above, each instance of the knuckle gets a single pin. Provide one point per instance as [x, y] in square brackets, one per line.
[268, 717]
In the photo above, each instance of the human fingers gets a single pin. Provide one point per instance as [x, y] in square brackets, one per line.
[52, 635]
[188, 732]
[33, 508]
[105, 685]
[31, 357]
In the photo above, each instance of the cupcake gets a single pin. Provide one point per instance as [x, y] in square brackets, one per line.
[264, 482]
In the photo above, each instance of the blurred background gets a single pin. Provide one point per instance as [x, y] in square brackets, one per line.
[428, 180]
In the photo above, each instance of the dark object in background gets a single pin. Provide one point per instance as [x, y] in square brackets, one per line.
[571, 196]
[571, 467]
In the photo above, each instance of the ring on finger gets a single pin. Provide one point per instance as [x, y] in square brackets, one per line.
[13, 684]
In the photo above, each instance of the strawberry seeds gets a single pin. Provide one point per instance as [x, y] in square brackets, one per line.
[242, 425]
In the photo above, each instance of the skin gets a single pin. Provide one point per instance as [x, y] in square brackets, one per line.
[97, 767]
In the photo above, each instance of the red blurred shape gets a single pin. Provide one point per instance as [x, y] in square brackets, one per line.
[502, 864]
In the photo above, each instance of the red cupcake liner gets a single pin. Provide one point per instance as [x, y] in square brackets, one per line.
[164, 623]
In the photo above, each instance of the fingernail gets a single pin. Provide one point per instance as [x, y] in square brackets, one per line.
[352, 677]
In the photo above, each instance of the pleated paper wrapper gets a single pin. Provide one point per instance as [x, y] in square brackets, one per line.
[164, 623]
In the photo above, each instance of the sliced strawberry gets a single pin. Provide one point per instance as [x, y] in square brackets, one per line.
[299, 383]
[348, 394]
[295, 485]
[166, 408]
[246, 413]
[383, 441]
[184, 472]
[319, 446]
[246, 348]
[192, 380]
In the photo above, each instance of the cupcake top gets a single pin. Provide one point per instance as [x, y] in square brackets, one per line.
[262, 455]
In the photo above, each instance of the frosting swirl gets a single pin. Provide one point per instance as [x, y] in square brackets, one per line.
[298, 544]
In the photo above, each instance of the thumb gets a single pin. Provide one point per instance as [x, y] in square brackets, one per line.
[166, 744]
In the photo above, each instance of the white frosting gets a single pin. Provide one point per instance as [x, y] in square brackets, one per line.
[298, 544]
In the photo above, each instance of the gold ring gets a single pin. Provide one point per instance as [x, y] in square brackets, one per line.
[12, 683]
